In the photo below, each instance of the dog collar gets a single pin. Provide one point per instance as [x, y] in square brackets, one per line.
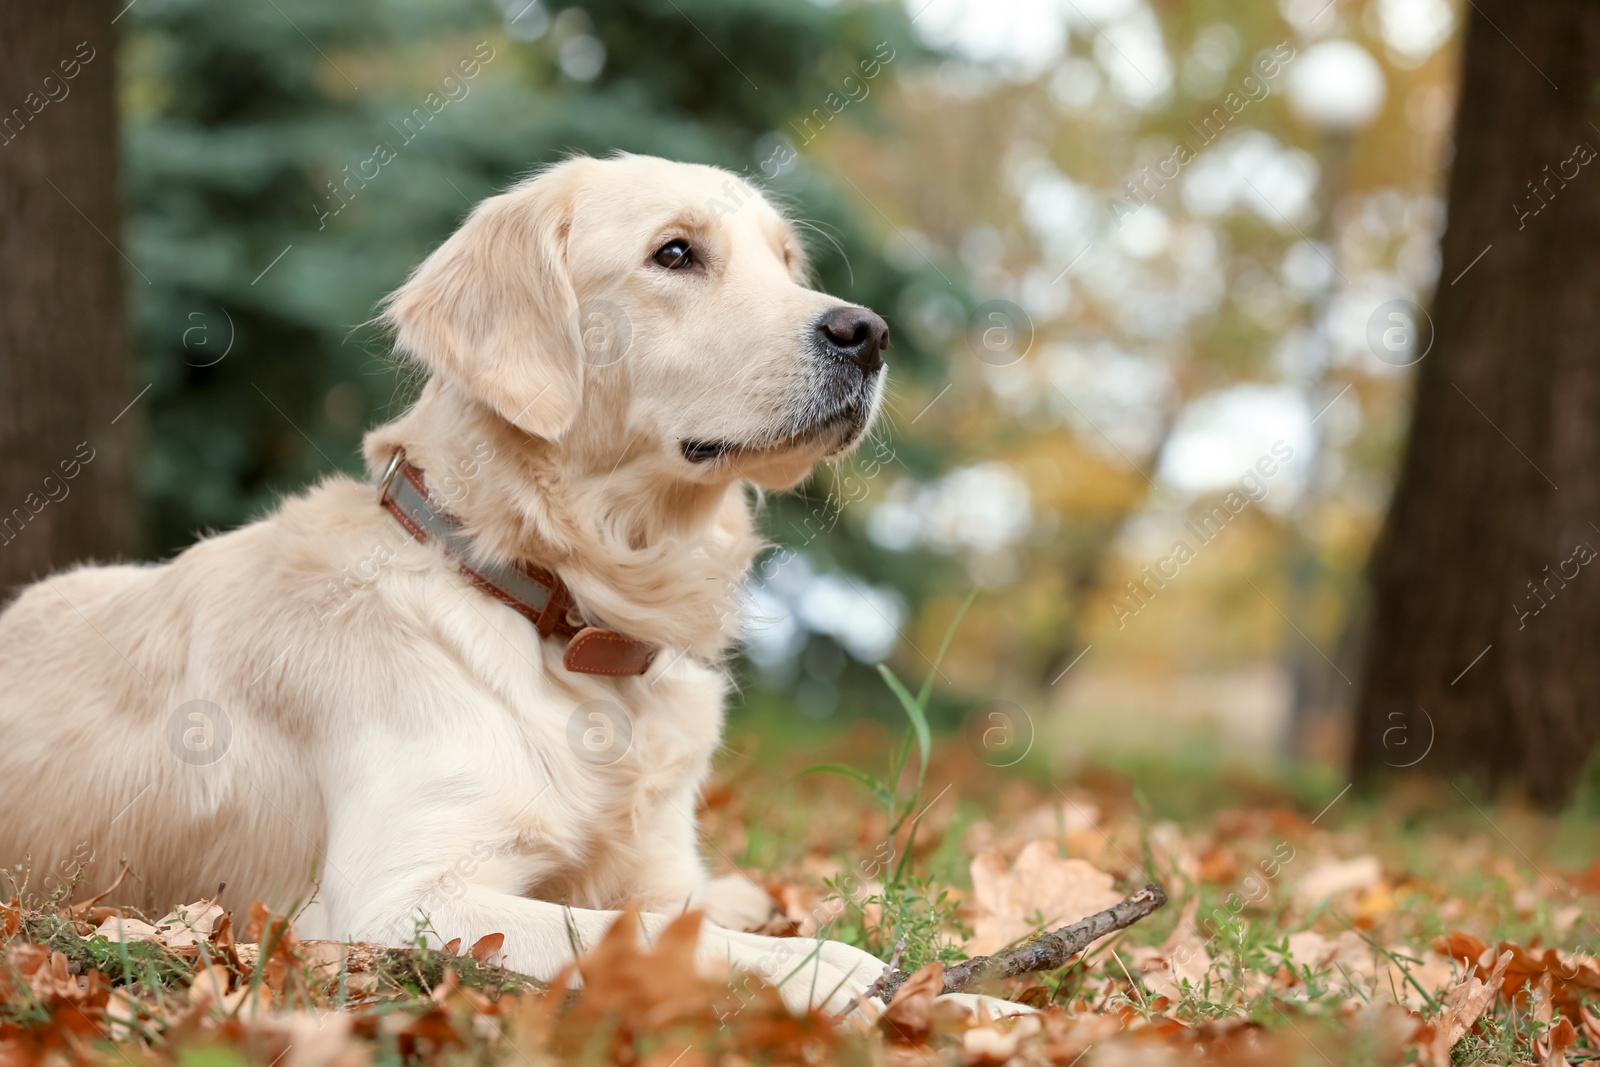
[532, 592]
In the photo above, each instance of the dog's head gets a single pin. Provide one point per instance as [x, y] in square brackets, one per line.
[643, 306]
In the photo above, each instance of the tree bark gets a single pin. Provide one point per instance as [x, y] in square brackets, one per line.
[66, 486]
[1485, 618]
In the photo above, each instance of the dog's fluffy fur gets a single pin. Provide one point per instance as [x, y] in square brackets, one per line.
[376, 740]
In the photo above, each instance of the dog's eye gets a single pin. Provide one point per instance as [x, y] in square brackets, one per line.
[674, 255]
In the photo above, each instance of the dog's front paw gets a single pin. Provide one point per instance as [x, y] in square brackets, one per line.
[825, 975]
[734, 902]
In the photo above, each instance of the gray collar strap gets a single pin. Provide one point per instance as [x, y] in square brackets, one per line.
[536, 594]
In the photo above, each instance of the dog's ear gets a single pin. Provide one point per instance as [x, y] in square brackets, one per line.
[493, 308]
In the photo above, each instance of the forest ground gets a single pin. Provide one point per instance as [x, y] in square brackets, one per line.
[1308, 923]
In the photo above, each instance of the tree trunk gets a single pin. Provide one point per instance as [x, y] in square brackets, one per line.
[1496, 516]
[66, 488]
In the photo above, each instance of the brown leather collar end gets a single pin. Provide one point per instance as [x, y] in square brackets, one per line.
[597, 651]
[536, 594]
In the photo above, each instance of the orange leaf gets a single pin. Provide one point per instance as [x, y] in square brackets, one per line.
[1553, 1050]
[1467, 1000]
[1460, 946]
[486, 947]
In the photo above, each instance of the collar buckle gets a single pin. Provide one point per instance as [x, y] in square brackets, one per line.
[389, 472]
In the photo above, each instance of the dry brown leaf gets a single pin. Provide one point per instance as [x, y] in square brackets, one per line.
[1434, 974]
[987, 1047]
[670, 1056]
[1041, 884]
[1589, 880]
[645, 989]
[1307, 948]
[1219, 866]
[263, 925]
[84, 909]
[1552, 1048]
[487, 948]
[47, 974]
[1572, 974]
[122, 1010]
[1591, 1025]
[1564, 919]
[1373, 904]
[909, 1016]
[1393, 1028]
[276, 959]
[1464, 1002]
[1363, 973]
[249, 1002]
[1334, 877]
[121, 929]
[806, 911]
[1462, 946]
[10, 918]
[209, 986]
[184, 927]
[308, 1039]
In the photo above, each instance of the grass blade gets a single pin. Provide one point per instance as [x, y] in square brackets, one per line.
[878, 789]
[944, 646]
[914, 712]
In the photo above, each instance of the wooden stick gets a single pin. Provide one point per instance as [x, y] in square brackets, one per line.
[1047, 952]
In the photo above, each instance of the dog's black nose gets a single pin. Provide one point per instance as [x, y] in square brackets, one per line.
[855, 334]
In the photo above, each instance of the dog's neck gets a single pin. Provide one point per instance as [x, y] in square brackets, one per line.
[658, 559]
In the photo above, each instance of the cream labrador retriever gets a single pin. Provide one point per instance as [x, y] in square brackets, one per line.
[483, 696]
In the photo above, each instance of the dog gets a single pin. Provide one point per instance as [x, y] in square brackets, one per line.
[481, 692]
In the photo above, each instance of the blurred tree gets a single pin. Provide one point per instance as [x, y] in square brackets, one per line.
[1159, 295]
[66, 430]
[1485, 606]
[1037, 184]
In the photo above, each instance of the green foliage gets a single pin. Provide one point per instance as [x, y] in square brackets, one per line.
[911, 919]
[1497, 1040]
